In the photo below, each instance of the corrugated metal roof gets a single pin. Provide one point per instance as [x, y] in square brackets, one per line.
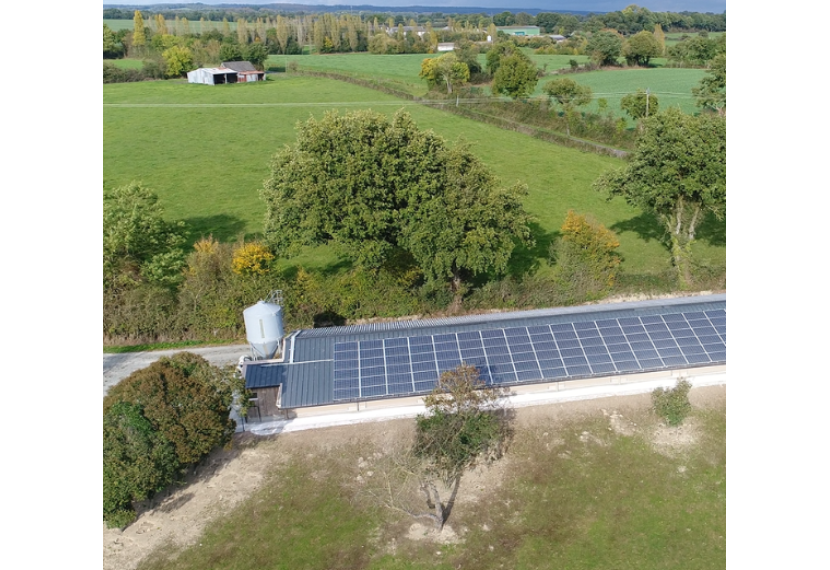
[498, 318]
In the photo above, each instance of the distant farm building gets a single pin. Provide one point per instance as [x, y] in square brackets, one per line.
[520, 30]
[245, 70]
[212, 75]
[228, 72]
[407, 30]
[446, 47]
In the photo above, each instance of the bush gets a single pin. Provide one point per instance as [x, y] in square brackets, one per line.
[672, 404]
[585, 258]
[157, 422]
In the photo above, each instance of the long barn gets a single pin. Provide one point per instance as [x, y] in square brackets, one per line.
[344, 368]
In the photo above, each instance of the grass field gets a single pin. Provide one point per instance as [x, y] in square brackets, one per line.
[126, 63]
[208, 163]
[673, 87]
[577, 491]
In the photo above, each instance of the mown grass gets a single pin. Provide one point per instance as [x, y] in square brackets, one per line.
[673, 87]
[574, 494]
[126, 63]
[208, 163]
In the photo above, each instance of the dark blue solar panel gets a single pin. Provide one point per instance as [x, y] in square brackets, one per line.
[593, 341]
[490, 343]
[697, 358]
[553, 373]
[544, 329]
[399, 366]
[564, 335]
[651, 364]
[663, 352]
[626, 365]
[521, 348]
[547, 354]
[551, 363]
[396, 342]
[528, 375]
[602, 368]
[674, 318]
[638, 337]
[563, 344]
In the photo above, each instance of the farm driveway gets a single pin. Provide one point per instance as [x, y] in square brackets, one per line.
[119, 366]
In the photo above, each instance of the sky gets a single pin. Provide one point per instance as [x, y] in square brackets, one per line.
[716, 6]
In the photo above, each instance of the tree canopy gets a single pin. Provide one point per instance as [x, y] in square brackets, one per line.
[640, 105]
[446, 70]
[516, 76]
[605, 47]
[138, 241]
[678, 172]
[370, 185]
[711, 92]
[157, 421]
[641, 47]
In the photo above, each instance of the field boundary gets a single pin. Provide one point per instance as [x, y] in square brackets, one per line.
[451, 106]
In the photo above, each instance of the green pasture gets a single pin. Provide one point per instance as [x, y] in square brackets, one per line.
[207, 163]
[673, 87]
[126, 63]
[571, 493]
[673, 38]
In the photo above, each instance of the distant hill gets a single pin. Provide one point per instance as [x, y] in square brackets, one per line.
[346, 8]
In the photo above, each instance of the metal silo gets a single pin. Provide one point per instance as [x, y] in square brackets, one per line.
[263, 326]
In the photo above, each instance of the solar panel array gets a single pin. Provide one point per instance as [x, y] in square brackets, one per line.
[411, 365]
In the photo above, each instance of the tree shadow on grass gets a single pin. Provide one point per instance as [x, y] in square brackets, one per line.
[222, 227]
[648, 227]
[527, 260]
[712, 230]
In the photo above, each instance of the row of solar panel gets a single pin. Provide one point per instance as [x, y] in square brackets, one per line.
[524, 354]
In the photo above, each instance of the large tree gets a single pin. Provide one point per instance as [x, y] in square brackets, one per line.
[516, 76]
[463, 426]
[113, 49]
[370, 185]
[640, 105]
[711, 92]
[568, 94]
[445, 70]
[605, 47]
[678, 172]
[641, 47]
[139, 35]
[139, 243]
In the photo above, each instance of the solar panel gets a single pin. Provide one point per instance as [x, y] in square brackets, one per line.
[411, 365]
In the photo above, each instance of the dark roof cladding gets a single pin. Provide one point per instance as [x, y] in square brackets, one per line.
[308, 372]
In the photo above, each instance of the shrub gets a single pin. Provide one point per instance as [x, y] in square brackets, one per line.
[585, 257]
[157, 422]
[672, 404]
[252, 259]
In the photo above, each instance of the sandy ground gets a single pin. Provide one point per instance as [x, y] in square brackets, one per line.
[229, 476]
